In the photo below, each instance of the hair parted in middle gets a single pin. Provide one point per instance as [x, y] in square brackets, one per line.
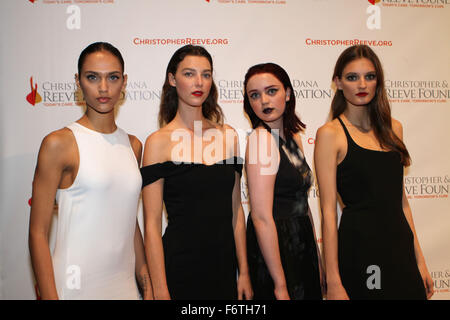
[379, 108]
[169, 98]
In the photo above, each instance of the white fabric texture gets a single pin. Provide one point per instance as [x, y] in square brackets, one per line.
[94, 253]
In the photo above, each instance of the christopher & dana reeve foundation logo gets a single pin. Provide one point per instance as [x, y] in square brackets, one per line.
[232, 90]
[418, 91]
[54, 94]
[427, 187]
[67, 94]
[33, 97]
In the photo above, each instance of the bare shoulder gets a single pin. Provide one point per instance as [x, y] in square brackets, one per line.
[298, 140]
[329, 131]
[157, 138]
[156, 146]
[229, 131]
[331, 142]
[58, 141]
[226, 127]
[58, 149]
[260, 133]
[261, 137]
[397, 128]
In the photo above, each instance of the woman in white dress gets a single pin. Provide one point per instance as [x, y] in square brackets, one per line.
[91, 167]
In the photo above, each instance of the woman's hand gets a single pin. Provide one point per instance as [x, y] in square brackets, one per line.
[336, 292]
[323, 277]
[281, 293]
[162, 295]
[244, 287]
[427, 280]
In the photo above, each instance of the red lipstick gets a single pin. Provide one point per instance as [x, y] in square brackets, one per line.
[362, 94]
[197, 93]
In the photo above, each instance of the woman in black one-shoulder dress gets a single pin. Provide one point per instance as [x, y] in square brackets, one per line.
[360, 155]
[191, 165]
[281, 244]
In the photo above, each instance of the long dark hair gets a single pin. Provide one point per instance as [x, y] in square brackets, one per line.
[99, 46]
[291, 121]
[169, 97]
[379, 108]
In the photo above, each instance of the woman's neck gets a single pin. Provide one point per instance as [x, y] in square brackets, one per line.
[104, 123]
[358, 116]
[187, 116]
[277, 125]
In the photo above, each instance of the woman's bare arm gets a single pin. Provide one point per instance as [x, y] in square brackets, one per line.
[152, 196]
[51, 166]
[325, 159]
[261, 184]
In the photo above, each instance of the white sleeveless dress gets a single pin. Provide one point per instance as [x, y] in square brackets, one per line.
[94, 252]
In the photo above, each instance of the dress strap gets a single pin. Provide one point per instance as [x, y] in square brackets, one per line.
[274, 134]
[154, 172]
[238, 165]
[345, 128]
[350, 141]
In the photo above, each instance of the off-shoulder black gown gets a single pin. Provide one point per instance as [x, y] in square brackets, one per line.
[199, 247]
[296, 241]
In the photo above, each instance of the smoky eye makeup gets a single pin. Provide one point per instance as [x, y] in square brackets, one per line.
[272, 91]
[351, 77]
[371, 76]
[91, 76]
[253, 95]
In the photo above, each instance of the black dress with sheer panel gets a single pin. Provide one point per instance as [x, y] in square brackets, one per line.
[296, 240]
[375, 242]
[199, 248]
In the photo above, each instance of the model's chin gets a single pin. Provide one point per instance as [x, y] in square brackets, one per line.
[102, 109]
[272, 117]
[360, 102]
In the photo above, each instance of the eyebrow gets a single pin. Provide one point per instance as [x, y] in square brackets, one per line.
[265, 88]
[192, 69]
[95, 72]
[353, 72]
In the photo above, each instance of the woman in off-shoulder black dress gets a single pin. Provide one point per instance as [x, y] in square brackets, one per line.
[199, 247]
[198, 180]
[282, 251]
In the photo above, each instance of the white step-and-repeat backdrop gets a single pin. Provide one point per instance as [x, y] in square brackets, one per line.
[41, 41]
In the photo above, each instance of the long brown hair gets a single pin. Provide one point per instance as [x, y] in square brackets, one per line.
[291, 121]
[379, 108]
[169, 98]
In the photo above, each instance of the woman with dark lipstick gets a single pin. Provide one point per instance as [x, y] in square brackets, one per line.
[283, 255]
[92, 168]
[198, 179]
[360, 155]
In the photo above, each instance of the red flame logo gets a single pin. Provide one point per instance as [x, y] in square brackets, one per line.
[33, 97]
